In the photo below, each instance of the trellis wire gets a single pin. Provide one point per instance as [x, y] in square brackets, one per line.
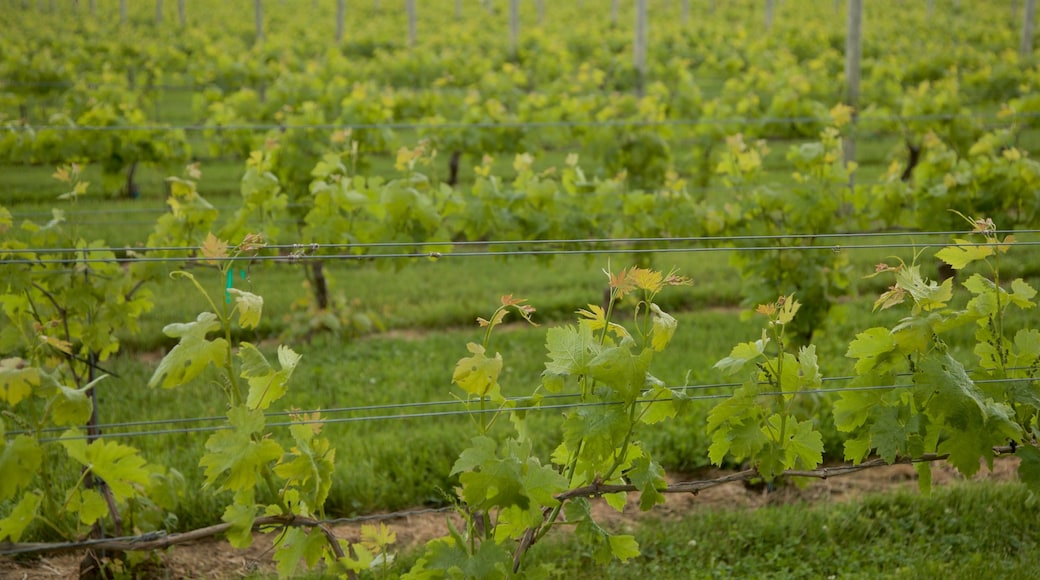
[511, 124]
[433, 254]
[306, 252]
[470, 412]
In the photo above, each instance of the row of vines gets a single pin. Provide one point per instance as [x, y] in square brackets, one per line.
[562, 91]
[309, 117]
[918, 399]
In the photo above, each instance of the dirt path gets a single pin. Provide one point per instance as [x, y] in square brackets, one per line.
[216, 559]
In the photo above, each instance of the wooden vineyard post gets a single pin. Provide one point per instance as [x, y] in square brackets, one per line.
[410, 5]
[181, 14]
[1025, 49]
[769, 15]
[158, 13]
[853, 54]
[640, 42]
[258, 17]
[341, 12]
[514, 27]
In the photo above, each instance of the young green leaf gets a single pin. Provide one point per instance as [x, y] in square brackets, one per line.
[192, 354]
[87, 503]
[236, 454]
[17, 380]
[741, 355]
[298, 544]
[119, 465]
[663, 328]
[959, 256]
[20, 459]
[266, 385]
[241, 517]
[13, 526]
[250, 307]
[870, 345]
[477, 374]
[571, 349]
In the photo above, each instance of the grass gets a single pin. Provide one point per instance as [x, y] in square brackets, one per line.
[977, 530]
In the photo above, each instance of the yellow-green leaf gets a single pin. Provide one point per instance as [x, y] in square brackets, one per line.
[16, 380]
[21, 516]
[249, 305]
[192, 354]
[663, 328]
[964, 253]
[477, 374]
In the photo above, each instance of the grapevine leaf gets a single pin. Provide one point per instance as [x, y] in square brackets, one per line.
[809, 368]
[744, 439]
[377, 537]
[118, 465]
[88, 503]
[250, 307]
[660, 405]
[663, 329]
[477, 374]
[856, 449]
[1028, 469]
[213, 248]
[619, 369]
[647, 476]
[788, 308]
[741, 355]
[804, 446]
[241, 518]
[266, 385]
[298, 544]
[20, 459]
[309, 466]
[71, 406]
[624, 547]
[1027, 347]
[888, 433]
[956, 398]
[596, 318]
[542, 482]
[868, 346]
[571, 349]
[16, 380]
[618, 500]
[965, 448]
[496, 484]
[853, 408]
[21, 516]
[1022, 294]
[481, 450]
[192, 354]
[236, 454]
[927, 295]
[964, 253]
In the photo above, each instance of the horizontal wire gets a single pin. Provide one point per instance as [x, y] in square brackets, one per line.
[292, 259]
[409, 405]
[471, 412]
[317, 246]
[515, 125]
